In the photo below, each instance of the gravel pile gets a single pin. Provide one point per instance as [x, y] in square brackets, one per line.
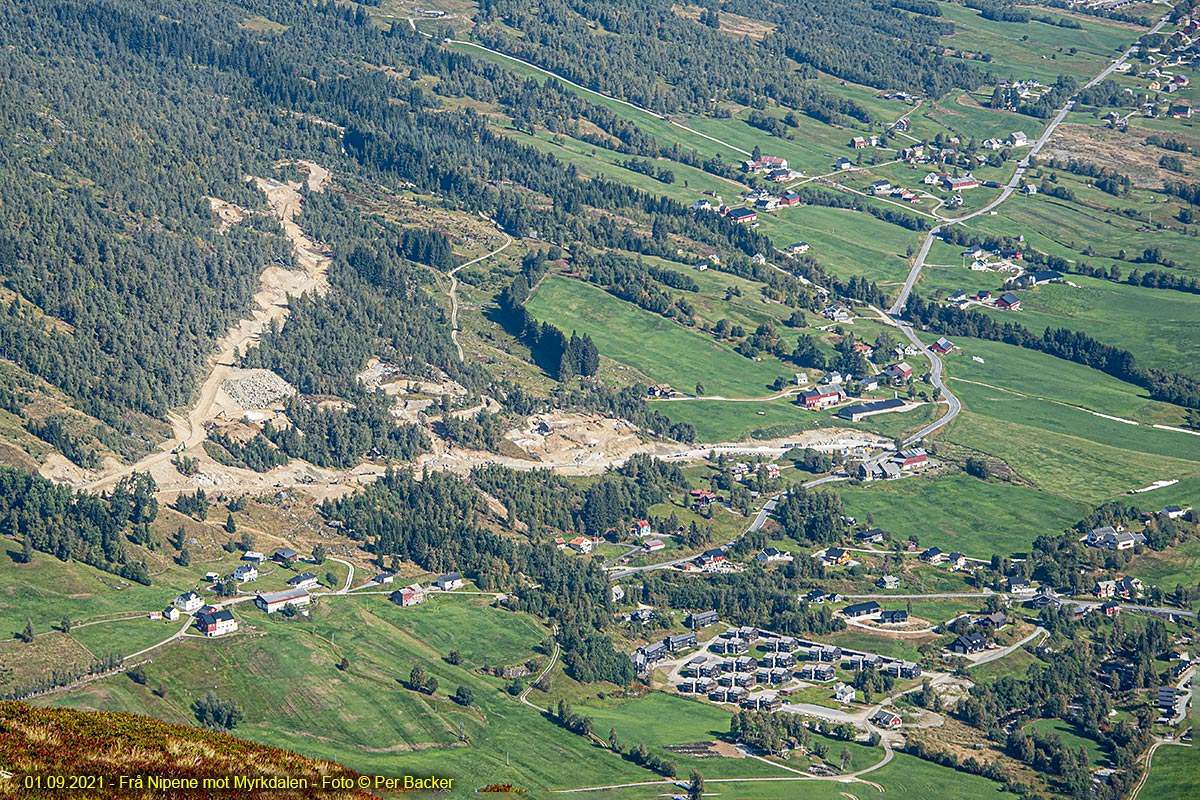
[258, 389]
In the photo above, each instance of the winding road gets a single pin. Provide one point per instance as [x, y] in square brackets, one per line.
[936, 367]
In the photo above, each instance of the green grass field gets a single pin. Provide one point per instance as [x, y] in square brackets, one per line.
[1159, 326]
[1034, 49]
[1072, 740]
[1167, 568]
[958, 512]
[846, 242]
[679, 356]
[1174, 774]
[1067, 452]
[1044, 376]
[723, 421]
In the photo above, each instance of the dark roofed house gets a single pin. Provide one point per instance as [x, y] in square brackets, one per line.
[742, 216]
[933, 555]
[216, 622]
[893, 617]
[1009, 301]
[995, 620]
[305, 580]
[702, 619]
[815, 596]
[284, 555]
[681, 641]
[873, 536]
[968, 643]
[861, 609]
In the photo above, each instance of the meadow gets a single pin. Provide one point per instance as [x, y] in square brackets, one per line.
[678, 356]
[1073, 740]
[1160, 327]
[1043, 376]
[1178, 565]
[958, 512]
[1034, 49]
[1173, 774]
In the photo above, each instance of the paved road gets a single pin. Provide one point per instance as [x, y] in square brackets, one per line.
[942, 596]
[919, 262]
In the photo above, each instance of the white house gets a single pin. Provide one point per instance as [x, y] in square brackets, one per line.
[188, 602]
[246, 573]
[449, 582]
[171, 613]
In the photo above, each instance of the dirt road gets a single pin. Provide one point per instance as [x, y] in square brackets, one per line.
[277, 285]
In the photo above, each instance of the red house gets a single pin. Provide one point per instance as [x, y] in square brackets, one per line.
[741, 216]
[789, 199]
[912, 458]
[1009, 301]
[822, 398]
[941, 346]
[958, 184]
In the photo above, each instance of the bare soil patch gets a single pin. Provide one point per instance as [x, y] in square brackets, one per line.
[1124, 152]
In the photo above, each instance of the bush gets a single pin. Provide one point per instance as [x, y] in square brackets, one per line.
[464, 696]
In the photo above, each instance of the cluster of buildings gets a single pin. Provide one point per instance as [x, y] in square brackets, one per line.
[1110, 538]
[883, 187]
[898, 464]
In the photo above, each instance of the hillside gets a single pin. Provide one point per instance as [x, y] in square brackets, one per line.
[40, 743]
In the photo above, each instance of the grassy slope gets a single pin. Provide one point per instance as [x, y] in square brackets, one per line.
[1073, 740]
[678, 356]
[961, 513]
[64, 742]
[1160, 327]
[1174, 775]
